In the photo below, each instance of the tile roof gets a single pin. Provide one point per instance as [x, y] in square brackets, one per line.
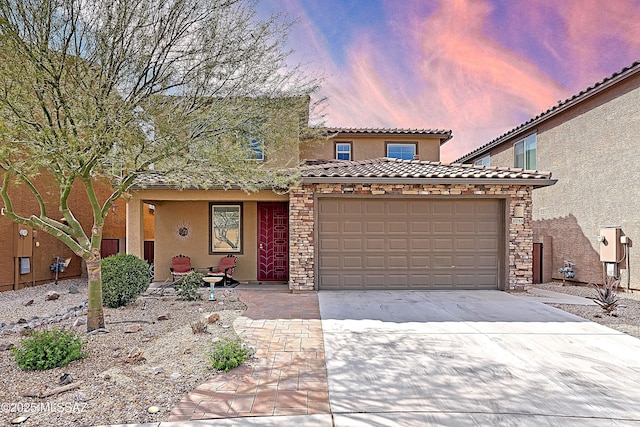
[557, 109]
[444, 134]
[384, 169]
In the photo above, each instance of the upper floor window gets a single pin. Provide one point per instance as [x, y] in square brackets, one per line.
[403, 151]
[343, 150]
[256, 148]
[525, 153]
[483, 161]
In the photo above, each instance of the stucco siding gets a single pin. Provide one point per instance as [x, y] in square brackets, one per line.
[592, 150]
[364, 148]
[593, 155]
[190, 209]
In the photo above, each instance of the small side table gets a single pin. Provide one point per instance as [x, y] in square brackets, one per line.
[211, 280]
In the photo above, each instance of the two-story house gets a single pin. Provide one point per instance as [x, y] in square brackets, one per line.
[589, 141]
[371, 209]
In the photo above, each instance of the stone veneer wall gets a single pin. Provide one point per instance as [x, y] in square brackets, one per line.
[301, 224]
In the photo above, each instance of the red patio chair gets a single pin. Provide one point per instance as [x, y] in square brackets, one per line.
[225, 270]
[180, 266]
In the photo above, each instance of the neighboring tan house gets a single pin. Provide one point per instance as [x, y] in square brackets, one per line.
[358, 218]
[26, 258]
[591, 143]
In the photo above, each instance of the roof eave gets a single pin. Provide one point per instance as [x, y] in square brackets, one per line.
[535, 182]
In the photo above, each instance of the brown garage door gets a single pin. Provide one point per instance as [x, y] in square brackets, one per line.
[408, 244]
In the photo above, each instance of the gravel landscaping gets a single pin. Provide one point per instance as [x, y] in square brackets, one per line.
[626, 317]
[141, 361]
[144, 360]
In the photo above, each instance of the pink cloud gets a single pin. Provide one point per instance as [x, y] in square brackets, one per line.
[445, 68]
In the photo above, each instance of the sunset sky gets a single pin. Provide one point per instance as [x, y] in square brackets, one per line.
[477, 67]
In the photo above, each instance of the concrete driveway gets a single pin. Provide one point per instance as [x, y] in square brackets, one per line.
[456, 358]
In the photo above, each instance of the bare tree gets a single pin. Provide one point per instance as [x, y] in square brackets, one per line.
[118, 89]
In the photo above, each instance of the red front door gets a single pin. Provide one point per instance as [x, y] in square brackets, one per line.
[273, 241]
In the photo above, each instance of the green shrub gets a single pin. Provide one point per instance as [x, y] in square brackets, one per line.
[228, 354]
[124, 277]
[48, 349]
[187, 289]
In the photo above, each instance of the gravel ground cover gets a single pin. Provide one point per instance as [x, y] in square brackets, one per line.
[626, 318]
[141, 362]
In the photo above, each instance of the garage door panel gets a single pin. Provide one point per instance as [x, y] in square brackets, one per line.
[353, 208]
[488, 208]
[399, 244]
[329, 244]
[352, 262]
[329, 261]
[419, 263]
[465, 227]
[443, 244]
[443, 261]
[375, 227]
[486, 244]
[373, 207]
[419, 244]
[328, 226]
[375, 261]
[397, 208]
[486, 261]
[465, 244]
[375, 244]
[441, 227]
[442, 208]
[398, 262]
[352, 245]
[352, 227]
[398, 227]
[421, 227]
[464, 208]
[418, 207]
[408, 243]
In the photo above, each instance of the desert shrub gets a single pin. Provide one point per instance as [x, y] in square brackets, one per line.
[187, 289]
[606, 295]
[199, 327]
[228, 354]
[124, 278]
[48, 349]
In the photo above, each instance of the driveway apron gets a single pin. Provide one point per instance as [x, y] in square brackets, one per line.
[398, 358]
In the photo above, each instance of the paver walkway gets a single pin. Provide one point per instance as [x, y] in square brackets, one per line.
[288, 375]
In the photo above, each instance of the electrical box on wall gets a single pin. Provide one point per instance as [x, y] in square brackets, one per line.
[22, 241]
[610, 248]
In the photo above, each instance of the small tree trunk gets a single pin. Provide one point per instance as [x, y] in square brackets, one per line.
[95, 316]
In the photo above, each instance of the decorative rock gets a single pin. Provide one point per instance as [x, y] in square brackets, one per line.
[133, 328]
[73, 289]
[22, 321]
[156, 370]
[79, 321]
[165, 316]
[226, 326]
[174, 376]
[6, 346]
[80, 397]
[27, 302]
[213, 318]
[52, 295]
[200, 310]
[66, 379]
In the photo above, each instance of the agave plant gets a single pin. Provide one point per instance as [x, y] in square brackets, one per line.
[606, 295]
